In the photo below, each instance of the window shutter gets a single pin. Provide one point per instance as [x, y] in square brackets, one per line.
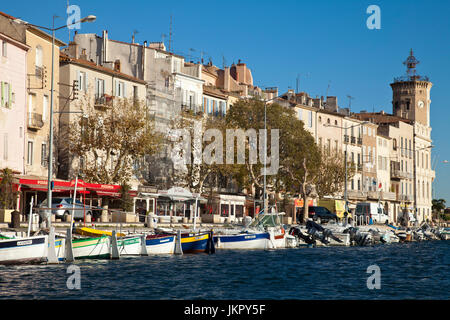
[2, 95]
[10, 96]
[86, 82]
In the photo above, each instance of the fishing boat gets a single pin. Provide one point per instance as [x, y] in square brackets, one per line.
[194, 242]
[60, 248]
[130, 245]
[160, 244]
[242, 241]
[92, 248]
[23, 250]
[90, 232]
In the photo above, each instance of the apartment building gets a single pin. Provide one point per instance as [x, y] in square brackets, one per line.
[13, 71]
[99, 89]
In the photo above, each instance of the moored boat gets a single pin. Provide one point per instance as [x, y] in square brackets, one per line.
[160, 244]
[24, 250]
[194, 242]
[92, 248]
[130, 246]
[242, 241]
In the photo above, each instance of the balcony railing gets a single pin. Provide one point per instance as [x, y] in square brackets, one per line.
[388, 196]
[360, 141]
[35, 121]
[353, 140]
[346, 139]
[103, 101]
[405, 197]
[353, 194]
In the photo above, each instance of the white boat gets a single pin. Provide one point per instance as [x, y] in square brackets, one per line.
[24, 250]
[242, 241]
[130, 246]
[92, 248]
[271, 222]
[160, 244]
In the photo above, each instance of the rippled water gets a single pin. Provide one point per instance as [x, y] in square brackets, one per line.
[408, 271]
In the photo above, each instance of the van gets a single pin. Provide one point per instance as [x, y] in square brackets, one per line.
[335, 206]
[375, 211]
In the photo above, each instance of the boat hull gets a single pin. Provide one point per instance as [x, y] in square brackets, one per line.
[60, 247]
[194, 243]
[92, 248]
[247, 241]
[24, 250]
[130, 246]
[160, 244]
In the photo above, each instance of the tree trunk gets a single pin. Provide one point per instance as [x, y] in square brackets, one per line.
[305, 208]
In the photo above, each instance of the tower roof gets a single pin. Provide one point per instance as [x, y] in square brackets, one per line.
[411, 73]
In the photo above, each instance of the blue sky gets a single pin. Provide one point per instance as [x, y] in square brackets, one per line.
[326, 42]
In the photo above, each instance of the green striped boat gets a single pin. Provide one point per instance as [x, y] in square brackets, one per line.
[92, 248]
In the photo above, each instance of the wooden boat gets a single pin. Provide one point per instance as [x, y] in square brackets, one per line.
[90, 232]
[24, 250]
[242, 241]
[160, 244]
[130, 246]
[92, 248]
[194, 242]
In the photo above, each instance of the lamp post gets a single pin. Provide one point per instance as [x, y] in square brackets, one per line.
[265, 149]
[345, 156]
[89, 18]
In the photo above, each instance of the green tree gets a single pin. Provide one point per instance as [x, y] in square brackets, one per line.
[126, 203]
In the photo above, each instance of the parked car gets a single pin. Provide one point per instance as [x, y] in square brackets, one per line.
[319, 214]
[372, 210]
[64, 208]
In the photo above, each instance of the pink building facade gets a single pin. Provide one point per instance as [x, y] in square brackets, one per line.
[13, 73]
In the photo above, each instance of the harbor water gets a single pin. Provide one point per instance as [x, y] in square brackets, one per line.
[417, 270]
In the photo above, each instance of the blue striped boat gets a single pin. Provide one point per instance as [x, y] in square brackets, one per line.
[242, 241]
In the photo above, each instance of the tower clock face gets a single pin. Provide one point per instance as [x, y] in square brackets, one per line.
[420, 104]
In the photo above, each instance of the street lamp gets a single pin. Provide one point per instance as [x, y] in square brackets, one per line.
[90, 18]
[265, 147]
[345, 156]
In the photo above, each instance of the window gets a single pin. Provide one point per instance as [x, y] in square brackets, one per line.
[44, 155]
[300, 114]
[5, 94]
[44, 108]
[99, 88]
[30, 153]
[310, 118]
[120, 89]
[39, 57]
[4, 48]
[82, 81]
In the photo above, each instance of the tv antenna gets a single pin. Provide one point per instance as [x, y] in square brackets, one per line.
[350, 98]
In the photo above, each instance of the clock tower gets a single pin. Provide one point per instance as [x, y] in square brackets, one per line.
[411, 94]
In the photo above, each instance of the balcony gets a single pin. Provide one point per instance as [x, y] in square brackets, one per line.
[398, 174]
[103, 101]
[359, 195]
[346, 139]
[373, 195]
[390, 196]
[360, 141]
[405, 197]
[353, 141]
[35, 121]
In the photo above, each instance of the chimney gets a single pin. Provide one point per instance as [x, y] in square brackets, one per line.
[226, 78]
[83, 54]
[72, 50]
[117, 65]
[105, 46]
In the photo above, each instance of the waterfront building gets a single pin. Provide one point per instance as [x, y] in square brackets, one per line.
[98, 89]
[13, 94]
[410, 129]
